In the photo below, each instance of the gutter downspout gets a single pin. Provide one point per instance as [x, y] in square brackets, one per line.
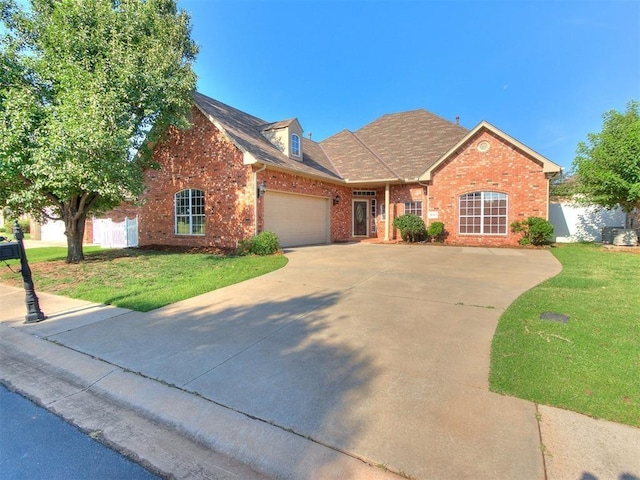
[426, 194]
[549, 179]
[386, 212]
[255, 199]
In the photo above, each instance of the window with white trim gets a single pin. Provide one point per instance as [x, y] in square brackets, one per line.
[413, 207]
[483, 213]
[383, 212]
[189, 212]
[364, 193]
[295, 145]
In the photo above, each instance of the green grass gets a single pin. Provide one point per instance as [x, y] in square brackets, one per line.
[589, 365]
[137, 279]
[50, 254]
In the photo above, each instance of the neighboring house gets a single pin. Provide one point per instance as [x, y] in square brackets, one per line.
[232, 175]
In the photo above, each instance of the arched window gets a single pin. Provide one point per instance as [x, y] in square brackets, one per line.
[295, 145]
[483, 213]
[189, 212]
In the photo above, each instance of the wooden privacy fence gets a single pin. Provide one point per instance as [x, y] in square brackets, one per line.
[110, 234]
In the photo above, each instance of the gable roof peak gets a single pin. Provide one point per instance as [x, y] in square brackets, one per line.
[413, 115]
[279, 124]
[341, 132]
[245, 132]
[547, 165]
[408, 142]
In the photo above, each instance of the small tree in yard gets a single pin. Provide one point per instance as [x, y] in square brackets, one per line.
[411, 227]
[607, 166]
[535, 230]
[86, 87]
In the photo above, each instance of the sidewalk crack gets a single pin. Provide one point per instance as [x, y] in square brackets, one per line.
[85, 389]
[543, 448]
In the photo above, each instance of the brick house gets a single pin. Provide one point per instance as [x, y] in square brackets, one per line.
[232, 175]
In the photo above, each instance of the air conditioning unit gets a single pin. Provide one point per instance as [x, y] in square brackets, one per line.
[607, 234]
[619, 236]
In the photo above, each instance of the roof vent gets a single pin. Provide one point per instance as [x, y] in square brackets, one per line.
[483, 146]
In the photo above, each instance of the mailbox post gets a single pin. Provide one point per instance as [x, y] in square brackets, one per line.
[15, 250]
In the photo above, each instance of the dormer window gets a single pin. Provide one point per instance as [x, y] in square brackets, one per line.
[286, 136]
[295, 145]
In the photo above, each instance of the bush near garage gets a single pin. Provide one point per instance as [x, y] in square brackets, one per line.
[265, 243]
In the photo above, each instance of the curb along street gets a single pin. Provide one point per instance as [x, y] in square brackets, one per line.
[173, 433]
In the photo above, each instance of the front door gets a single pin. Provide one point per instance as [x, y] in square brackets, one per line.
[360, 208]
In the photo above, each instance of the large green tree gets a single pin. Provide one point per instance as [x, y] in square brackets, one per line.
[607, 165]
[86, 86]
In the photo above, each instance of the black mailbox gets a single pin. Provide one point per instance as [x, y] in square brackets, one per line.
[9, 251]
[15, 250]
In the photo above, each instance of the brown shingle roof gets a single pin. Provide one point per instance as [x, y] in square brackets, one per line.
[353, 160]
[245, 131]
[276, 125]
[410, 142]
[395, 147]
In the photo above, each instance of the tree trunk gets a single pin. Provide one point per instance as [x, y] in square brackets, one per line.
[75, 235]
[74, 213]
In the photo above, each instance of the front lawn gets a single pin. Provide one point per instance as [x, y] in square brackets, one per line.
[591, 364]
[137, 279]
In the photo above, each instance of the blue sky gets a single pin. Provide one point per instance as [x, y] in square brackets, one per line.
[542, 71]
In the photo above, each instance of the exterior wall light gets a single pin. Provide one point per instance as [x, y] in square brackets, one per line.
[262, 188]
[336, 199]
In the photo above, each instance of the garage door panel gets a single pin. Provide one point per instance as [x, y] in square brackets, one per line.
[297, 219]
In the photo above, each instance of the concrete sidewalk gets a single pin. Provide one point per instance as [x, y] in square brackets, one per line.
[350, 361]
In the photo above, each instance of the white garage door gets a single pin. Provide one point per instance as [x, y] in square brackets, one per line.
[296, 219]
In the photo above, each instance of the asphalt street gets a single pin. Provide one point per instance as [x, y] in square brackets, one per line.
[36, 444]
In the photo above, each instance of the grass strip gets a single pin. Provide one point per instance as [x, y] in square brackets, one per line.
[591, 364]
[138, 279]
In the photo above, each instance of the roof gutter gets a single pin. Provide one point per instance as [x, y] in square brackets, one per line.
[369, 182]
[293, 171]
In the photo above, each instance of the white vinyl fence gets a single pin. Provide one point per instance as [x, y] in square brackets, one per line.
[579, 223]
[110, 234]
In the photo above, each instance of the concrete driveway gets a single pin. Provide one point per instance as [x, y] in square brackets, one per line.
[380, 352]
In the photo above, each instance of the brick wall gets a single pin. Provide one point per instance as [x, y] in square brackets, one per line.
[202, 158]
[289, 183]
[198, 158]
[122, 211]
[503, 169]
[398, 195]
